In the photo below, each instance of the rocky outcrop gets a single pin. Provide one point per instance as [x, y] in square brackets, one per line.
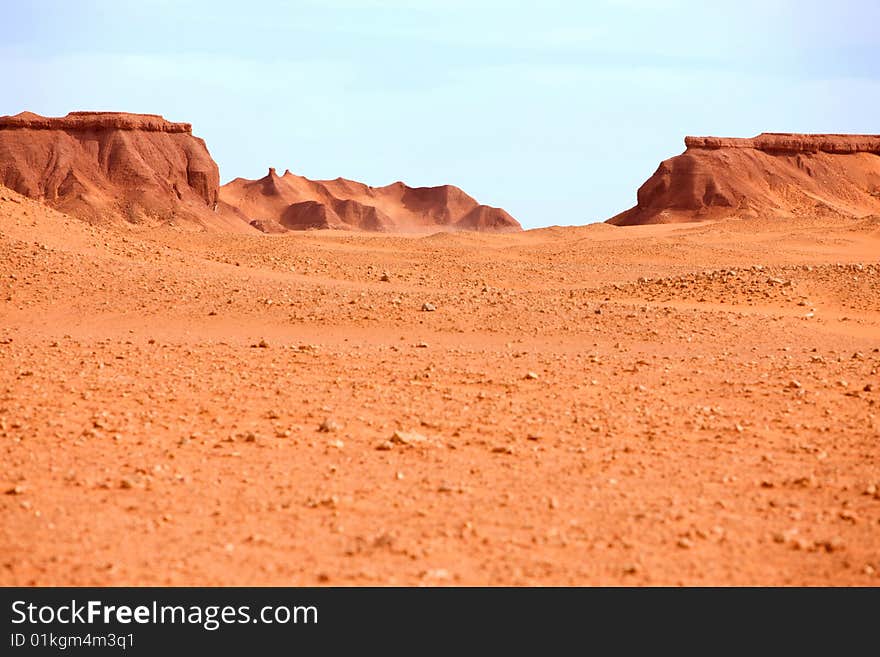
[297, 203]
[103, 166]
[93, 121]
[772, 174]
[781, 142]
[106, 166]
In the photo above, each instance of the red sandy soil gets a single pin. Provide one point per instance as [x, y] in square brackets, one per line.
[670, 404]
[773, 174]
[290, 202]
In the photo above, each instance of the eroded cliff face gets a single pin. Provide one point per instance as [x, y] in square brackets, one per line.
[289, 202]
[105, 166]
[114, 166]
[773, 174]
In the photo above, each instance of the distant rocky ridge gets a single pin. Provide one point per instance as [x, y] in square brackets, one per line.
[110, 166]
[289, 202]
[773, 174]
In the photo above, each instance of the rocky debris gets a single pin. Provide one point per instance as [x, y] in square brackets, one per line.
[329, 425]
[404, 439]
[428, 307]
[268, 226]
[407, 438]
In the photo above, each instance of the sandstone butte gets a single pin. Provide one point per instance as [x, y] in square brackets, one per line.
[110, 166]
[771, 175]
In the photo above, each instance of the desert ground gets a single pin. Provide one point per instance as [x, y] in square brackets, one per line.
[686, 404]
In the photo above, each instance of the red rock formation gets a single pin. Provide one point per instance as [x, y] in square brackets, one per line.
[93, 121]
[780, 142]
[771, 175]
[107, 165]
[297, 203]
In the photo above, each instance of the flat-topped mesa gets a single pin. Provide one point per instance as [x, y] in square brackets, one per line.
[93, 121]
[784, 142]
[772, 175]
[107, 166]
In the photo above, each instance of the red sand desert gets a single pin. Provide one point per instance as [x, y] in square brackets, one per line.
[187, 400]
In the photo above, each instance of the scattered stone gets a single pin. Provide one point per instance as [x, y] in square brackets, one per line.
[328, 425]
[407, 438]
[835, 544]
[848, 515]
[428, 307]
[800, 544]
[531, 376]
[385, 278]
[16, 490]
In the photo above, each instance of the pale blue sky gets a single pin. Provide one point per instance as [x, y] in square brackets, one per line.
[556, 111]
